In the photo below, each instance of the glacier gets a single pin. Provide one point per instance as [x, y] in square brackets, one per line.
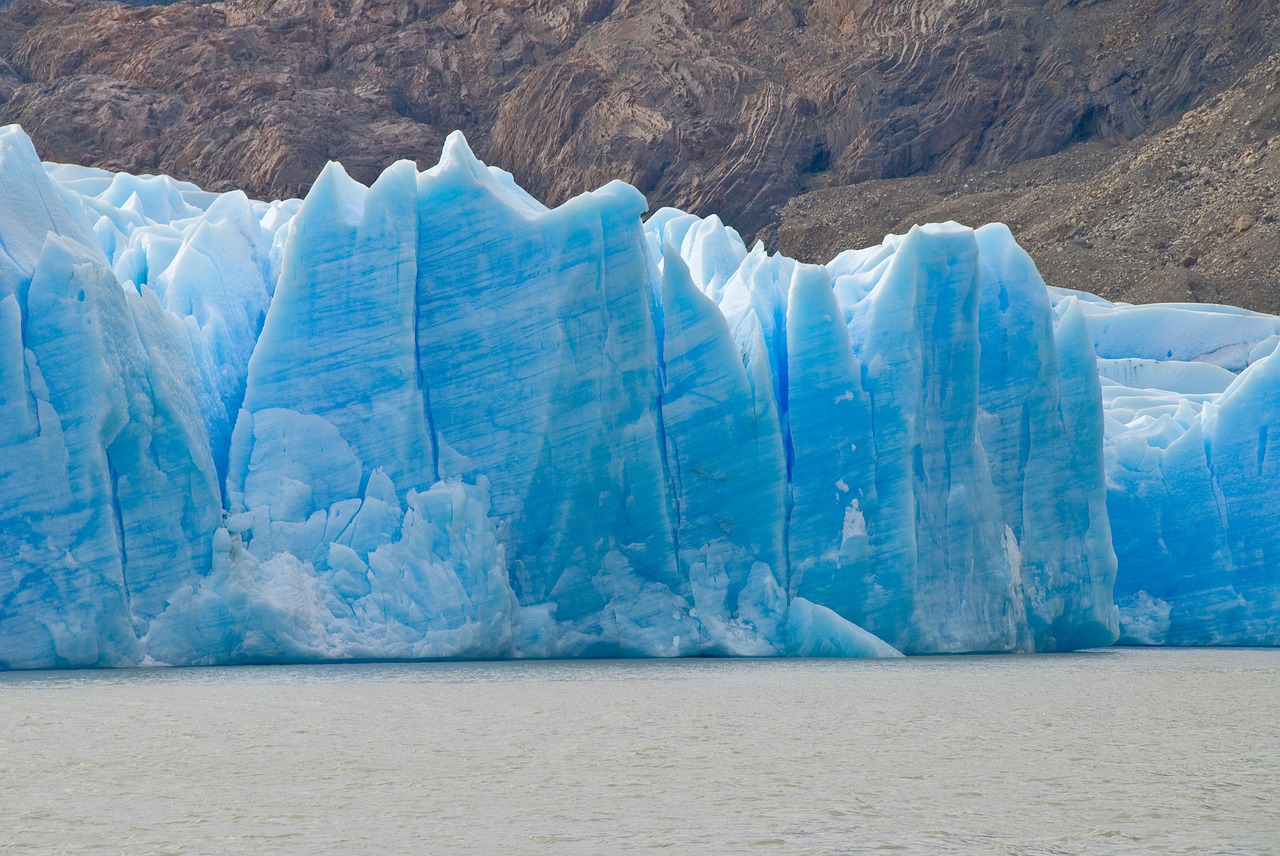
[432, 418]
[1191, 395]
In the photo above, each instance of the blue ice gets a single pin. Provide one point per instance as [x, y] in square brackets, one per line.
[432, 418]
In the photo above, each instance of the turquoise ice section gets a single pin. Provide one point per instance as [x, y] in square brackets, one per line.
[1192, 398]
[432, 418]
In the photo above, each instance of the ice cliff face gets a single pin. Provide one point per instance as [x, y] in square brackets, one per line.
[433, 418]
[1192, 397]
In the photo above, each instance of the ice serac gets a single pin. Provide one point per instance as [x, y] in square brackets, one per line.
[537, 342]
[727, 474]
[1237, 433]
[1041, 427]
[108, 494]
[940, 542]
[64, 596]
[832, 451]
[332, 481]
[220, 281]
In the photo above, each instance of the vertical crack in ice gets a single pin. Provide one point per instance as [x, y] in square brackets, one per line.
[1262, 447]
[117, 515]
[788, 449]
[1024, 459]
[657, 317]
[424, 388]
[234, 402]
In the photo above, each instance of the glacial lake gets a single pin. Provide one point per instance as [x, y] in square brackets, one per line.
[1114, 751]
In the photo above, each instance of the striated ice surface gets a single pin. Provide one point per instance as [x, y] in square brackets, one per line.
[924, 490]
[432, 418]
[1192, 482]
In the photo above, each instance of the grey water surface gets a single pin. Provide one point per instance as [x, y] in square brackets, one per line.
[1116, 751]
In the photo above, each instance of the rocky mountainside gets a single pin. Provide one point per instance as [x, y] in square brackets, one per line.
[1187, 213]
[711, 105]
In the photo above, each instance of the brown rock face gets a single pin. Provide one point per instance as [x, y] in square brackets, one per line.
[712, 105]
[1187, 213]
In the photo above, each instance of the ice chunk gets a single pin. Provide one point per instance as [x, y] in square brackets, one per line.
[815, 631]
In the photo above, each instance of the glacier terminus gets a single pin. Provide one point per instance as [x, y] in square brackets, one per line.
[432, 418]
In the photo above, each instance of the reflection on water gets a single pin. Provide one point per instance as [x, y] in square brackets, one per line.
[1100, 752]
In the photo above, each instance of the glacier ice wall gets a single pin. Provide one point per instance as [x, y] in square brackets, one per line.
[1192, 398]
[433, 418]
[924, 484]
